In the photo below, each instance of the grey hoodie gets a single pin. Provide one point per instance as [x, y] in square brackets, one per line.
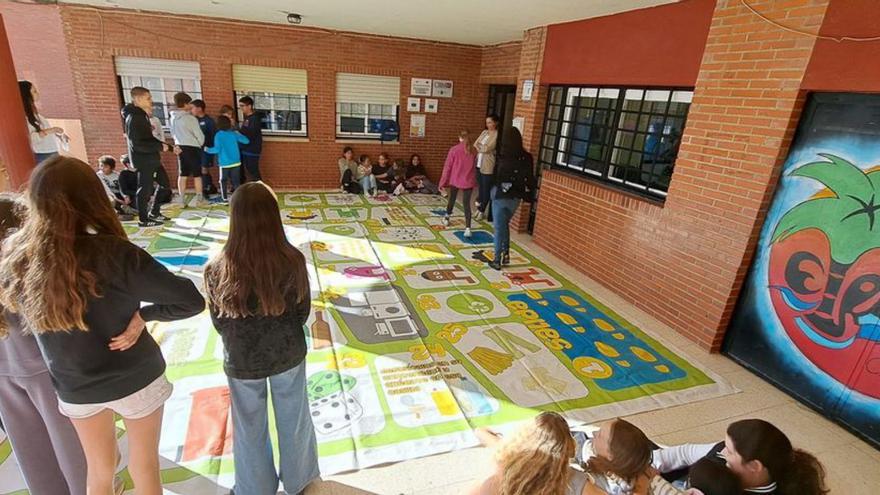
[185, 129]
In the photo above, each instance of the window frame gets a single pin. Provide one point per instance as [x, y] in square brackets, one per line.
[304, 113]
[124, 93]
[367, 116]
[559, 135]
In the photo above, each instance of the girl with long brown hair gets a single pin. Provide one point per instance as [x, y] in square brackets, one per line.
[44, 442]
[44, 137]
[621, 457]
[534, 461]
[77, 282]
[259, 298]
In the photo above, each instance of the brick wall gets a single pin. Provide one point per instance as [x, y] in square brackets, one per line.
[532, 111]
[500, 63]
[96, 36]
[36, 37]
[685, 261]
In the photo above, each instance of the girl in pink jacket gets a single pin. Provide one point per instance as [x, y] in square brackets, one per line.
[459, 173]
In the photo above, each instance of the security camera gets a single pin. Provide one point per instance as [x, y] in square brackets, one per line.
[294, 18]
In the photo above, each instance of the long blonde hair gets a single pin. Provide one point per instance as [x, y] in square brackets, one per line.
[43, 275]
[258, 267]
[534, 461]
[464, 136]
[11, 214]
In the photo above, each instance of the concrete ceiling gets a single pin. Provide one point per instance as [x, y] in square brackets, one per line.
[475, 22]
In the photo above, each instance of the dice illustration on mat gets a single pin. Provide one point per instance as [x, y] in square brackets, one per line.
[332, 408]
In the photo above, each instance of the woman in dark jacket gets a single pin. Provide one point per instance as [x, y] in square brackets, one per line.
[513, 181]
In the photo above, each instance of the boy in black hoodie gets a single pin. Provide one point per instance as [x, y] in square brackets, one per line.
[144, 152]
[251, 128]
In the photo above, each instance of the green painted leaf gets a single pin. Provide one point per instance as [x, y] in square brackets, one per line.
[839, 175]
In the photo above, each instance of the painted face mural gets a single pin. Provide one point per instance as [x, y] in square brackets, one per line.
[824, 273]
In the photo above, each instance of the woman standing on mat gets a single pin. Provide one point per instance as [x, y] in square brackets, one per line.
[459, 174]
[485, 146]
[44, 442]
[44, 137]
[259, 298]
[78, 284]
[513, 181]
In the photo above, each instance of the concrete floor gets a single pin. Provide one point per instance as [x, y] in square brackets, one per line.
[853, 466]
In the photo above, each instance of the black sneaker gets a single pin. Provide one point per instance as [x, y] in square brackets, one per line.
[495, 265]
[505, 259]
[159, 217]
[151, 223]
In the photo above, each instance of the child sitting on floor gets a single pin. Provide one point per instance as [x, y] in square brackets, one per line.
[228, 155]
[365, 175]
[398, 172]
[110, 179]
[382, 173]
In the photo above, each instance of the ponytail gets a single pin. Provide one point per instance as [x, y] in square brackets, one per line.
[805, 476]
[795, 471]
[465, 138]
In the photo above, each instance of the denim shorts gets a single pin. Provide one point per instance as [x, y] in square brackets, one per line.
[135, 406]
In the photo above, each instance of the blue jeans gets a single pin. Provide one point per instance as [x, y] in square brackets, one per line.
[41, 157]
[254, 466]
[231, 175]
[368, 183]
[502, 211]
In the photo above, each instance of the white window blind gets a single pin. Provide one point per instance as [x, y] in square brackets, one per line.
[154, 67]
[361, 88]
[252, 78]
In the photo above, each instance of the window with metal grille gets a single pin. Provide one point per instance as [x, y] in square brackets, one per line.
[628, 137]
[163, 90]
[283, 114]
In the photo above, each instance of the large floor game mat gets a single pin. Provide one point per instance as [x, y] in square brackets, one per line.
[413, 341]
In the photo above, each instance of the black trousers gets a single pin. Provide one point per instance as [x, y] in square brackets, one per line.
[250, 168]
[147, 174]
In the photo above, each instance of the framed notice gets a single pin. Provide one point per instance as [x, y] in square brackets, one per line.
[417, 125]
[413, 104]
[442, 89]
[431, 105]
[420, 87]
[527, 88]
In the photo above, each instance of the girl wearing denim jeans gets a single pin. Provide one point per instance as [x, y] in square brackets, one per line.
[513, 181]
[259, 298]
[226, 142]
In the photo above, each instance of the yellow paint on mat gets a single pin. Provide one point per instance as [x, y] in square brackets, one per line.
[662, 368]
[591, 367]
[603, 325]
[580, 329]
[566, 318]
[624, 363]
[607, 350]
[570, 301]
[643, 354]
[618, 336]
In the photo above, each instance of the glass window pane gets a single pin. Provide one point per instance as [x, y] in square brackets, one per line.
[152, 83]
[556, 95]
[656, 95]
[173, 85]
[359, 109]
[351, 124]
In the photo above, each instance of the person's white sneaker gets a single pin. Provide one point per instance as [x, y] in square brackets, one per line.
[446, 220]
[199, 202]
[478, 216]
[181, 200]
[467, 233]
[399, 190]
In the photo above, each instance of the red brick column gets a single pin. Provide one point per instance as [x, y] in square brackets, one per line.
[532, 111]
[16, 157]
[685, 261]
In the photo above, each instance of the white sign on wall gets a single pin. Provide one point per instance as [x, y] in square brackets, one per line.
[519, 123]
[431, 105]
[527, 88]
[413, 104]
[420, 87]
[442, 89]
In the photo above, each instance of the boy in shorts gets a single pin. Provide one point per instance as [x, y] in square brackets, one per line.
[188, 139]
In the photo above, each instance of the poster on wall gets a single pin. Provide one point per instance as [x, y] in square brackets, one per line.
[431, 105]
[442, 89]
[808, 317]
[417, 125]
[527, 88]
[420, 87]
[413, 104]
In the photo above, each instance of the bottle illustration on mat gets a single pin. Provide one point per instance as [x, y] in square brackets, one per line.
[445, 402]
[320, 331]
[475, 398]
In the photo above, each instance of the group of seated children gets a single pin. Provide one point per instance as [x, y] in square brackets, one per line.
[121, 186]
[385, 176]
[545, 457]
